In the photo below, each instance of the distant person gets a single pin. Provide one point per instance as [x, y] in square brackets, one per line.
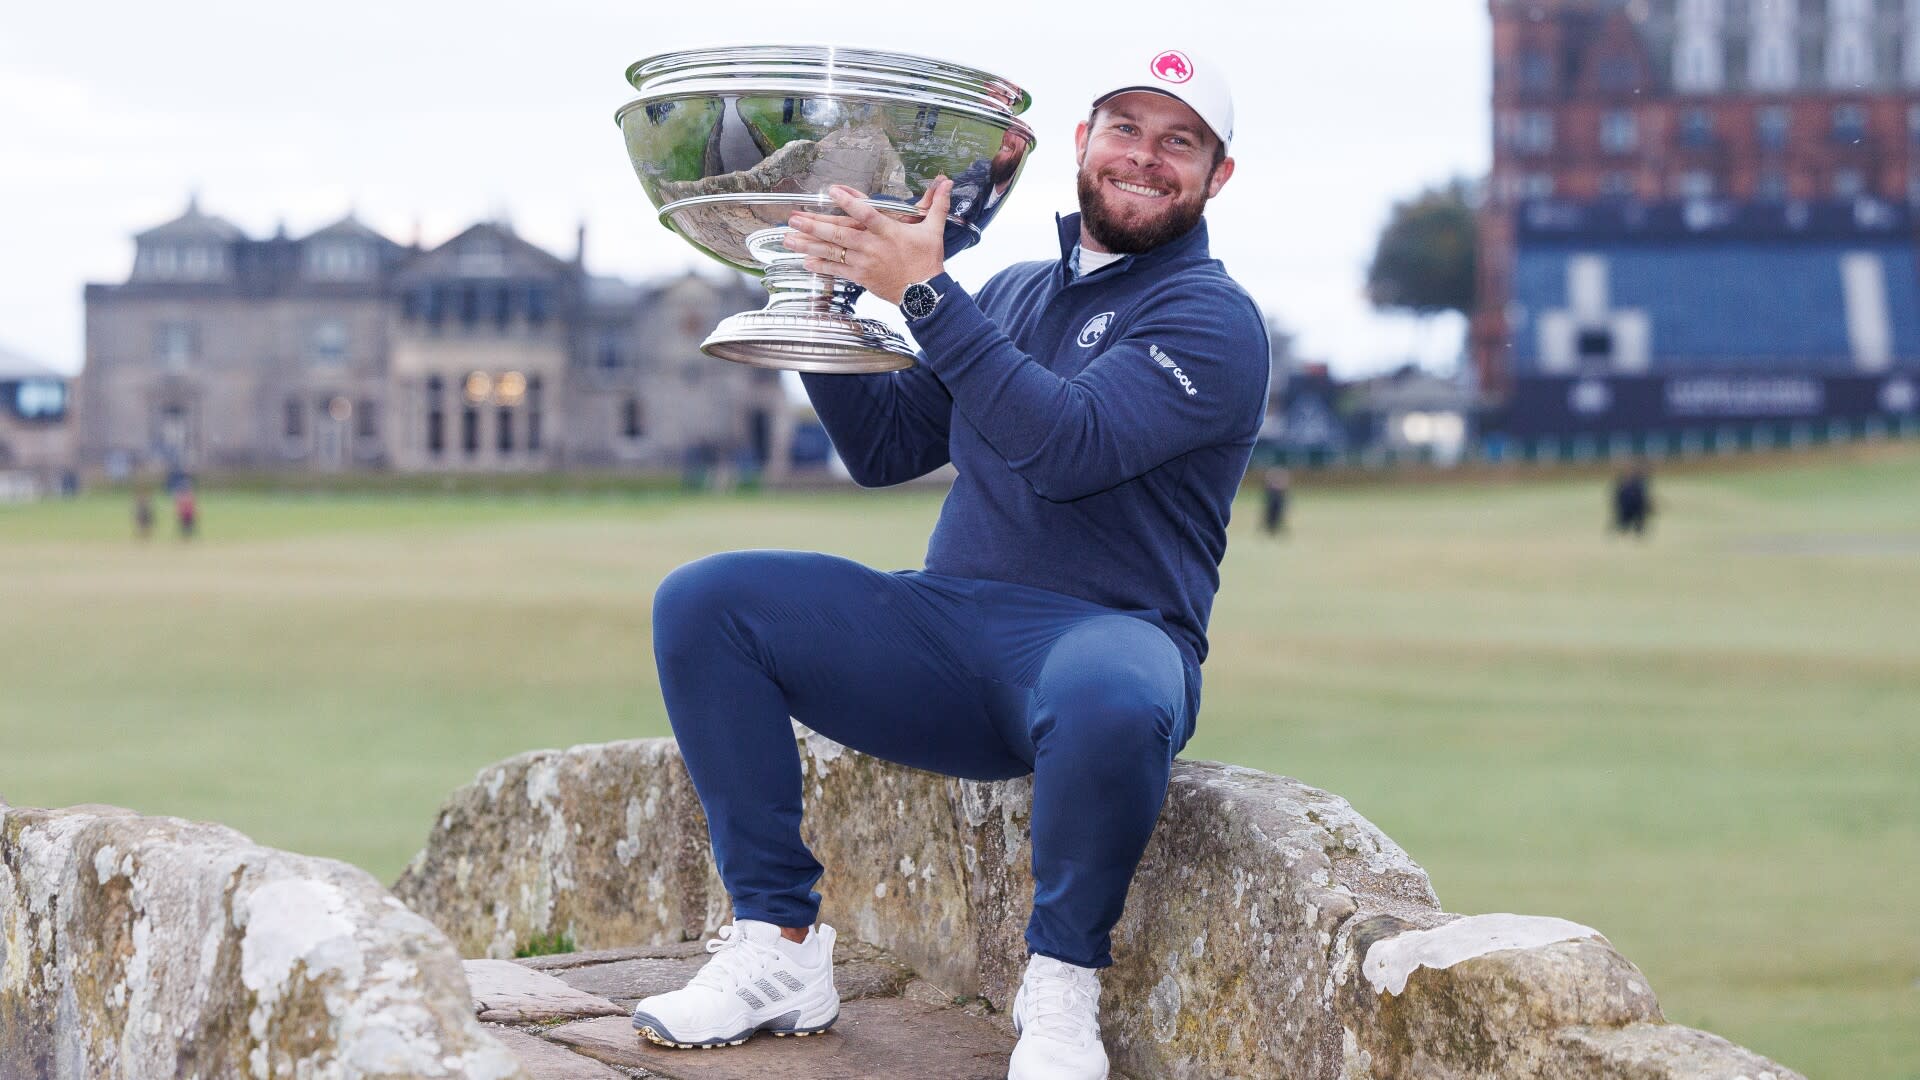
[1276, 484]
[1632, 501]
[143, 513]
[185, 510]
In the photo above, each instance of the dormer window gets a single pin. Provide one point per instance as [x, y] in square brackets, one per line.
[337, 261]
[180, 262]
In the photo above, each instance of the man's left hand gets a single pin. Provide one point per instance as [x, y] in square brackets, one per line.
[871, 248]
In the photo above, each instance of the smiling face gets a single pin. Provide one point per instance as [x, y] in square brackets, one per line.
[1148, 165]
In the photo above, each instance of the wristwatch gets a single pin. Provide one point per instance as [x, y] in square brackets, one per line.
[919, 301]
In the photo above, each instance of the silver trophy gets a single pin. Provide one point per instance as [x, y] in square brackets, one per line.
[730, 142]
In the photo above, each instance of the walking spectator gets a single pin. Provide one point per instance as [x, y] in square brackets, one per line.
[143, 512]
[1276, 484]
[1632, 501]
[185, 510]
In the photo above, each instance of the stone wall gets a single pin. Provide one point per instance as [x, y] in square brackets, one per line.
[1271, 932]
[135, 947]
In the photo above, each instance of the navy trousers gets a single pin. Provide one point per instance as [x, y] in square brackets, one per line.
[978, 679]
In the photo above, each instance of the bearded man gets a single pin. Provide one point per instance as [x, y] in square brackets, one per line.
[1099, 410]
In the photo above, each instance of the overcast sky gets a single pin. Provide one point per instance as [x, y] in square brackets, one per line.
[427, 115]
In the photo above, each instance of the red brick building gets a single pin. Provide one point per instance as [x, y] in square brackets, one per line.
[1708, 104]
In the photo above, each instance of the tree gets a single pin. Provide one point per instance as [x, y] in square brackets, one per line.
[1425, 259]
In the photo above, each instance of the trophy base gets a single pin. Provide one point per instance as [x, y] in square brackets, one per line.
[819, 341]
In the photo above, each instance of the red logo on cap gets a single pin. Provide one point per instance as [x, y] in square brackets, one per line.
[1172, 66]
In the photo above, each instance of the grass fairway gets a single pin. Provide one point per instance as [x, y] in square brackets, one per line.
[1707, 746]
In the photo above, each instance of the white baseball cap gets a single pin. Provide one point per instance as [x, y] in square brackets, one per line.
[1181, 74]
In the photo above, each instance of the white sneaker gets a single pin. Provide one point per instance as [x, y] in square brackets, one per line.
[755, 982]
[1057, 1014]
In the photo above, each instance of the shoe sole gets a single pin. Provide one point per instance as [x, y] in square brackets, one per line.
[655, 1032]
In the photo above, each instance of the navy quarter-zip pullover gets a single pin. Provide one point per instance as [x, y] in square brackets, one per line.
[1100, 426]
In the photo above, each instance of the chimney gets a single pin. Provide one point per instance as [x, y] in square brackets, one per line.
[580, 246]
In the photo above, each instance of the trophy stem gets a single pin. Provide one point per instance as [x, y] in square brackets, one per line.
[808, 323]
[792, 287]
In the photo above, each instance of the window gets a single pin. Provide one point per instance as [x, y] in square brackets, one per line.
[176, 345]
[1619, 132]
[1531, 132]
[606, 352]
[1618, 73]
[327, 341]
[436, 417]
[1772, 63]
[1617, 185]
[1849, 123]
[296, 416]
[632, 423]
[533, 414]
[470, 430]
[1771, 187]
[503, 430]
[1696, 128]
[469, 305]
[1913, 123]
[1850, 64]
[539, 304]
[367, 427]
[1848, 184]
[1536, 71]
[501, 303]
[1771, 126]
[1699, 64]
[337, 260]
[1695, 184]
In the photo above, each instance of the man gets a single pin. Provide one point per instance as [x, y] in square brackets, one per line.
[1099, 410]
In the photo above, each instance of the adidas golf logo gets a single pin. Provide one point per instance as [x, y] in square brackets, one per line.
[1166, 361]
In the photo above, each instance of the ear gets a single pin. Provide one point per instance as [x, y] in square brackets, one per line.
[1080, 143]
[1221, 174]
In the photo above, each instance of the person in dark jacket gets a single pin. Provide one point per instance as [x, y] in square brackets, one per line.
[1632, 501]
[1099, 410]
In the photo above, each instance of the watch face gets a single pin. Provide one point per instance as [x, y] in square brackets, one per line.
[919, 300]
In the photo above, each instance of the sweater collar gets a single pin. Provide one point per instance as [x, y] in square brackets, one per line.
[1190, 244]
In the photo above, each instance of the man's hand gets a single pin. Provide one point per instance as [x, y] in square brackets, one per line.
[870, 248]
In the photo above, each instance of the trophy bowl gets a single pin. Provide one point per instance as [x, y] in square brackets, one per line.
[730, 142]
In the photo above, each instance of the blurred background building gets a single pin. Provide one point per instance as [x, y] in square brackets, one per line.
[1699, 224]
[344, 350]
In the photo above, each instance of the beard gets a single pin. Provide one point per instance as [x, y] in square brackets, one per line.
[1132, 234]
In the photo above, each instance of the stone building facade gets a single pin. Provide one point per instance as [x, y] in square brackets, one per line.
[343, 350]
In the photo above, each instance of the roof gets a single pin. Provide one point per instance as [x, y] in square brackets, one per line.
[349, 227]
[15, 365]
[194, 225]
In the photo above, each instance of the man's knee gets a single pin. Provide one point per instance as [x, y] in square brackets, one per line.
[697, 598]
[1115, 688]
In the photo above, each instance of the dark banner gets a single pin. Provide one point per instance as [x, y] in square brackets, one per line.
[37, 400]
[1630, 404]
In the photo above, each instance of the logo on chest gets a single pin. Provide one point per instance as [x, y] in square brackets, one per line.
[1095, 329]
